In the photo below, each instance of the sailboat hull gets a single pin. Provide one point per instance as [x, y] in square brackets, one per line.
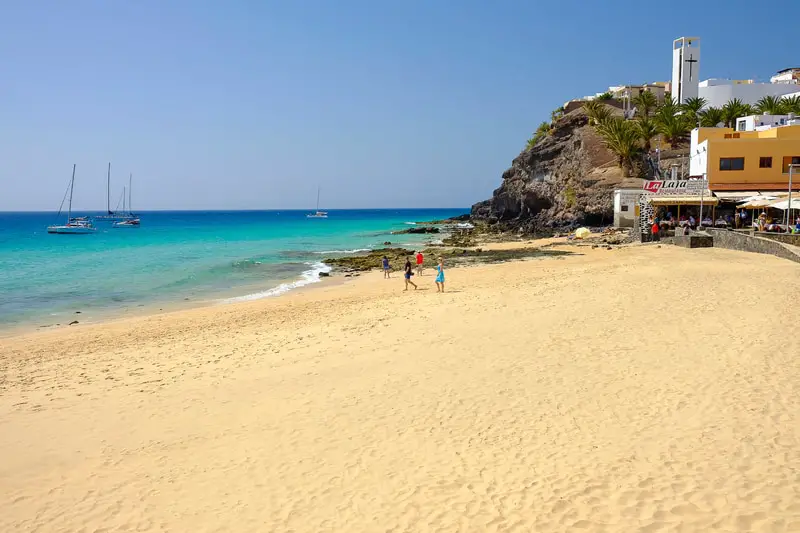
[71, 230]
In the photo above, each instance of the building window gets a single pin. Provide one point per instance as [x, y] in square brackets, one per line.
[791, 160]
[742, 125]
[783, 121]
[765, 162]
[731, 163]
[624, 208]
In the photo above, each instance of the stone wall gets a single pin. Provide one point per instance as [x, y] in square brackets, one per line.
[785, 238]
[733, 240]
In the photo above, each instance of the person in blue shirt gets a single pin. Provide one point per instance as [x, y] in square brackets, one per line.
[386, 268]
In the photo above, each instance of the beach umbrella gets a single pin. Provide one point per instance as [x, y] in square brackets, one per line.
[783, 205]
[582, 233]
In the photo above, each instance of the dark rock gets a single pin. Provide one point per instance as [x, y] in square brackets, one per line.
[73, 322]
[387, 243]
[417, 230]
[324, 274]
[77, 312]
[566, 180]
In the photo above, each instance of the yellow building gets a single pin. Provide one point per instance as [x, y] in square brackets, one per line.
[747, 160]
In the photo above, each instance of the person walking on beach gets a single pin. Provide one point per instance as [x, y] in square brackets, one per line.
[408, 273]
[386, 267]
[440, 276]
[420, 260]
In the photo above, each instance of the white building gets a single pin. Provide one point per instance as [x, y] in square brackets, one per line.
[625, 201]
[698, 155]
[685, 68]
[792, 95]
[761, 122]
[718, 92]
[787, 75]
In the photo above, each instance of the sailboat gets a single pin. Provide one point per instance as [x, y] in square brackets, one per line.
[318, 213]
[74, 226]
[132, 221]
[112, 215]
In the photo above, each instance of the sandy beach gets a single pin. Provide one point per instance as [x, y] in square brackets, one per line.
[636, 389]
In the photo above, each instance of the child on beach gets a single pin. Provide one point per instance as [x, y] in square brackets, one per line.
[386, 267]
[420, 260]
[407, 275]
[440, 276]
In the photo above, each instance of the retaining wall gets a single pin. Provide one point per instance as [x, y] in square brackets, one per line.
[733, 240]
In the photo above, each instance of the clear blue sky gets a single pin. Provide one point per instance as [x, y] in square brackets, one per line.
[252, 104]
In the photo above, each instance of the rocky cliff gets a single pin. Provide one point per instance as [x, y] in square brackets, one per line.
[566, 179]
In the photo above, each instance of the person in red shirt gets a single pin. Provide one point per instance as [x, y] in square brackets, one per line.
[420, 261]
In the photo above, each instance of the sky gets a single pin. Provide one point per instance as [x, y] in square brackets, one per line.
[254, 104]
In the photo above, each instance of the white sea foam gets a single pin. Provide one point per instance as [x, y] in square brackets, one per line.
[307, 277]
[411, 223]
[357, 250]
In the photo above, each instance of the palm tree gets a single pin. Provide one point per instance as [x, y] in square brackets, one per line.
[621, 137]
[791, 104]
[771, 105]
[647, 129]
[710, 117]
[692, 106]
[597, 111]
[645, 103]
[556, 114]
[733, 110]
[542, 131]
[674, 128]
[605, 96]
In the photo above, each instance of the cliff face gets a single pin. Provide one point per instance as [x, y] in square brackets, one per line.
[567, 179]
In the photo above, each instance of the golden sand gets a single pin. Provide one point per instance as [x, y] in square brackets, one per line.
[639, 389]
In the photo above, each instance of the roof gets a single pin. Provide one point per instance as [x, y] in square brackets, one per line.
[788, 69]
[684, 200]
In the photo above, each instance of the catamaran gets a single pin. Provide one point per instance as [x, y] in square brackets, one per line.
[110, 215]
[318, 213]
[132, 221]
[74, 226]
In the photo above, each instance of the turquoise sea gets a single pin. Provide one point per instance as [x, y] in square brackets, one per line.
[175, 256]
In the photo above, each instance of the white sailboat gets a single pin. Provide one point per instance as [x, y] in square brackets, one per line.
[132, 221]
[74, 226]
[318, 213]
[112, 215]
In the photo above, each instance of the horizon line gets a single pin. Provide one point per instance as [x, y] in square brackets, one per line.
[329, 210]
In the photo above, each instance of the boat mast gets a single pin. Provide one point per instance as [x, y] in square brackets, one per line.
[317, 199]
[108, 189]
[130, 182]
[71, 186]
[124, 196]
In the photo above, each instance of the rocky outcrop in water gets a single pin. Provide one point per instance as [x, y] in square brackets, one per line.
[566, 179]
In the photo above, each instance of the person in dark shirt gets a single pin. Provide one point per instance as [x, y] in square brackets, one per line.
[409, 271]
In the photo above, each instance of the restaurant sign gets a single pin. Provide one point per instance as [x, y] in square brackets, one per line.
[675, 187]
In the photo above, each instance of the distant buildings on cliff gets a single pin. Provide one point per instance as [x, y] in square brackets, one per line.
[717, 92]
[685, 83]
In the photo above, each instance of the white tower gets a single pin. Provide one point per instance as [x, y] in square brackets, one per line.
[685, 68]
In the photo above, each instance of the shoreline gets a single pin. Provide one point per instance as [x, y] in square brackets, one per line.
[286, 288]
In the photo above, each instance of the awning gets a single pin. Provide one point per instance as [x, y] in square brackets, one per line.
[683, 200]
[758, 201]
[783, 205]
[734, 196]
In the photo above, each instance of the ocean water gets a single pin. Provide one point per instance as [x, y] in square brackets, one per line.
[175, 256]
